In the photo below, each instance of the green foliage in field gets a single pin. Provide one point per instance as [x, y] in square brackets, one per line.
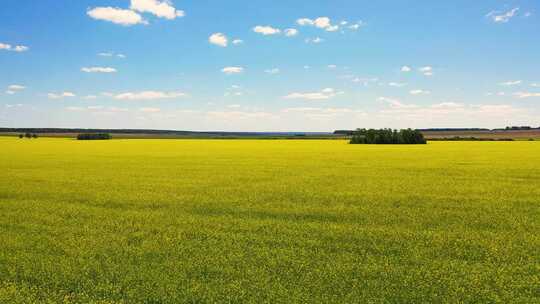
[388, 137]
[94, 136]
[204, 221]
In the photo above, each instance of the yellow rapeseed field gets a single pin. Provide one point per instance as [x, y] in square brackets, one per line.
[275, 221]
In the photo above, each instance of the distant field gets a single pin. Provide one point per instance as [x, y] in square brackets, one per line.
[284, 221]
[139, 134]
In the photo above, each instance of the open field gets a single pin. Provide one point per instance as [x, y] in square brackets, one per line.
[202, 221]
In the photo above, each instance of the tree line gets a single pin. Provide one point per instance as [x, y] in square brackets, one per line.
[388, 137]
[28, 135]
[94, 136]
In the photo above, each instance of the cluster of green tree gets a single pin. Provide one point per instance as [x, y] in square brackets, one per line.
[388, 137]
[519, 128]
[28, 135]
[94, 136]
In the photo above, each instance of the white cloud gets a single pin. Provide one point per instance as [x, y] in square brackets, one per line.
[394, 103]
[21, 48]
[90, 97]
[266, 30]
[526, 94]
[427, 70]
[305, 21]
[502, 17]
[232, 70]
[237, 41]
[60, 95]
[405, 69]
[320, 22]
[332, 28]
[356, 26]
[116, 15]
[314, 40]
[111, 54]
[510, 83]
[150, 110]
[17, 48]
[94, 107]
[535, 85]
[218, 39]
[365, 81]
[419, 92]
[291, 32]
[16, 87]
[98, 70]
[272, 71]
[13, 105]
[148, 95]
[161, 9]
[397, 84]
[331, 66]
[322, 95]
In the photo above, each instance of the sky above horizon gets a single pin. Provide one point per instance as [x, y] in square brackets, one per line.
[269, 66]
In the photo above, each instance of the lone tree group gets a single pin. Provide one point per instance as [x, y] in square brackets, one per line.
[388, 137]
[94, 136]
[28, 135]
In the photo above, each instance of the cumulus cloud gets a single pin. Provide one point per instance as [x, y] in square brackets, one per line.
[116, 15]
[232, 70]
[98, 70]
[237, 41]
[14, 88]
[291, 32]
[111, 54]
[394, 103]
[60, 95]
[218, 39]
[272, 71]
[314, 40]
[405, 69]
[510, 83]
[397, 84]
[356, 26]
[17, 48]
[148, 95]
[161, 9]
[322, 95]
[419, 92]
[266, 30]
[502, 17]
[526, 94]
[427, 70]
[320, 22]
[366, 81]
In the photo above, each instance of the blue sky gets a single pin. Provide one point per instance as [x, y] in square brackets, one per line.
[269, 65]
